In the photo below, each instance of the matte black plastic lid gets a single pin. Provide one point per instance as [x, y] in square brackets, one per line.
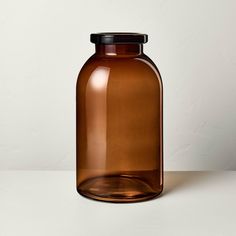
[118, 38]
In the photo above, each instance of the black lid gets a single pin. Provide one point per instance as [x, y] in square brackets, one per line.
[118, 38]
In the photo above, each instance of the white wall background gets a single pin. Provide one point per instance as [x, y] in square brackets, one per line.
[44, 43]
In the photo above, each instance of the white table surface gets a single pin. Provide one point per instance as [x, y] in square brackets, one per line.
[46, 203]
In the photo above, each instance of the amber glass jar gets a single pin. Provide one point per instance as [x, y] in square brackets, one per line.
[119, 121]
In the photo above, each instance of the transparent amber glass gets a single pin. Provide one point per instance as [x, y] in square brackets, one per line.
[119, 143]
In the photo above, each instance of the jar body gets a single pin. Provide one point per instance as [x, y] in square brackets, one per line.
[119, 126]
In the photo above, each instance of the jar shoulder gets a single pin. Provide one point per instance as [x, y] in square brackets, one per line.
[141, 66]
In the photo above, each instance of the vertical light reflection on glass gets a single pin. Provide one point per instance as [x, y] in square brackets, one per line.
[96, 113]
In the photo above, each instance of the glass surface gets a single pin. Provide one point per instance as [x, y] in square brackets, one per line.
[119, 125]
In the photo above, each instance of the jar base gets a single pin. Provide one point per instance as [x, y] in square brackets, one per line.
[119, 189]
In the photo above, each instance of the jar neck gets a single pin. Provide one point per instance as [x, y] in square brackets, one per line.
[118, 49]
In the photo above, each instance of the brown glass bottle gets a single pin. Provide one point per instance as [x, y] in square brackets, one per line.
[119, 121]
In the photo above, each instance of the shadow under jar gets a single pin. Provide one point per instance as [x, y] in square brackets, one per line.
[119, 126]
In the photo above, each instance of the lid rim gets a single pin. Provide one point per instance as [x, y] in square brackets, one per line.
[118, 38]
